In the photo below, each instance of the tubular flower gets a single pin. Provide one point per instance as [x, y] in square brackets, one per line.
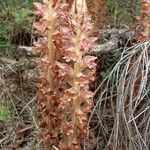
[144, 22]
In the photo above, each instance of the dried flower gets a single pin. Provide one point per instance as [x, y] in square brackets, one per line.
[65, 72]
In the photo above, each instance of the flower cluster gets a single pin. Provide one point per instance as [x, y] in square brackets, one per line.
[97, 9]
[65, 72]
[144, 22]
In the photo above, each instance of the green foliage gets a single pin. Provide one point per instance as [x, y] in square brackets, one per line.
[121, 12]
[4, 36]
[22, 17]
[137, 7]
[104, 74]
[17, 11]
[5, 113]
[15, 3]
[15, 17]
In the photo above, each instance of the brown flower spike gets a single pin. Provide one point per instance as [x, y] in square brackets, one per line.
[65, 72]
[144, 22]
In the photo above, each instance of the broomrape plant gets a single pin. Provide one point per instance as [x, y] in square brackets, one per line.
[65, 72]
[144, 21]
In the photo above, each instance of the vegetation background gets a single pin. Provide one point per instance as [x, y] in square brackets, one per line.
[16, 20]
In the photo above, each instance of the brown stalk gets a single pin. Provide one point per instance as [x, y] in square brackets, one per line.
[65, 72]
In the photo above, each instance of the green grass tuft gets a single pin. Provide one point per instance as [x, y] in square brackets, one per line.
[5, 114]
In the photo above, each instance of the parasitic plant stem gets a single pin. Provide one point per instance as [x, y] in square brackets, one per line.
[65, 72]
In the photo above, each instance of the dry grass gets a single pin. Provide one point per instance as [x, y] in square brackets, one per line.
[122, 109]
[18, 93]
